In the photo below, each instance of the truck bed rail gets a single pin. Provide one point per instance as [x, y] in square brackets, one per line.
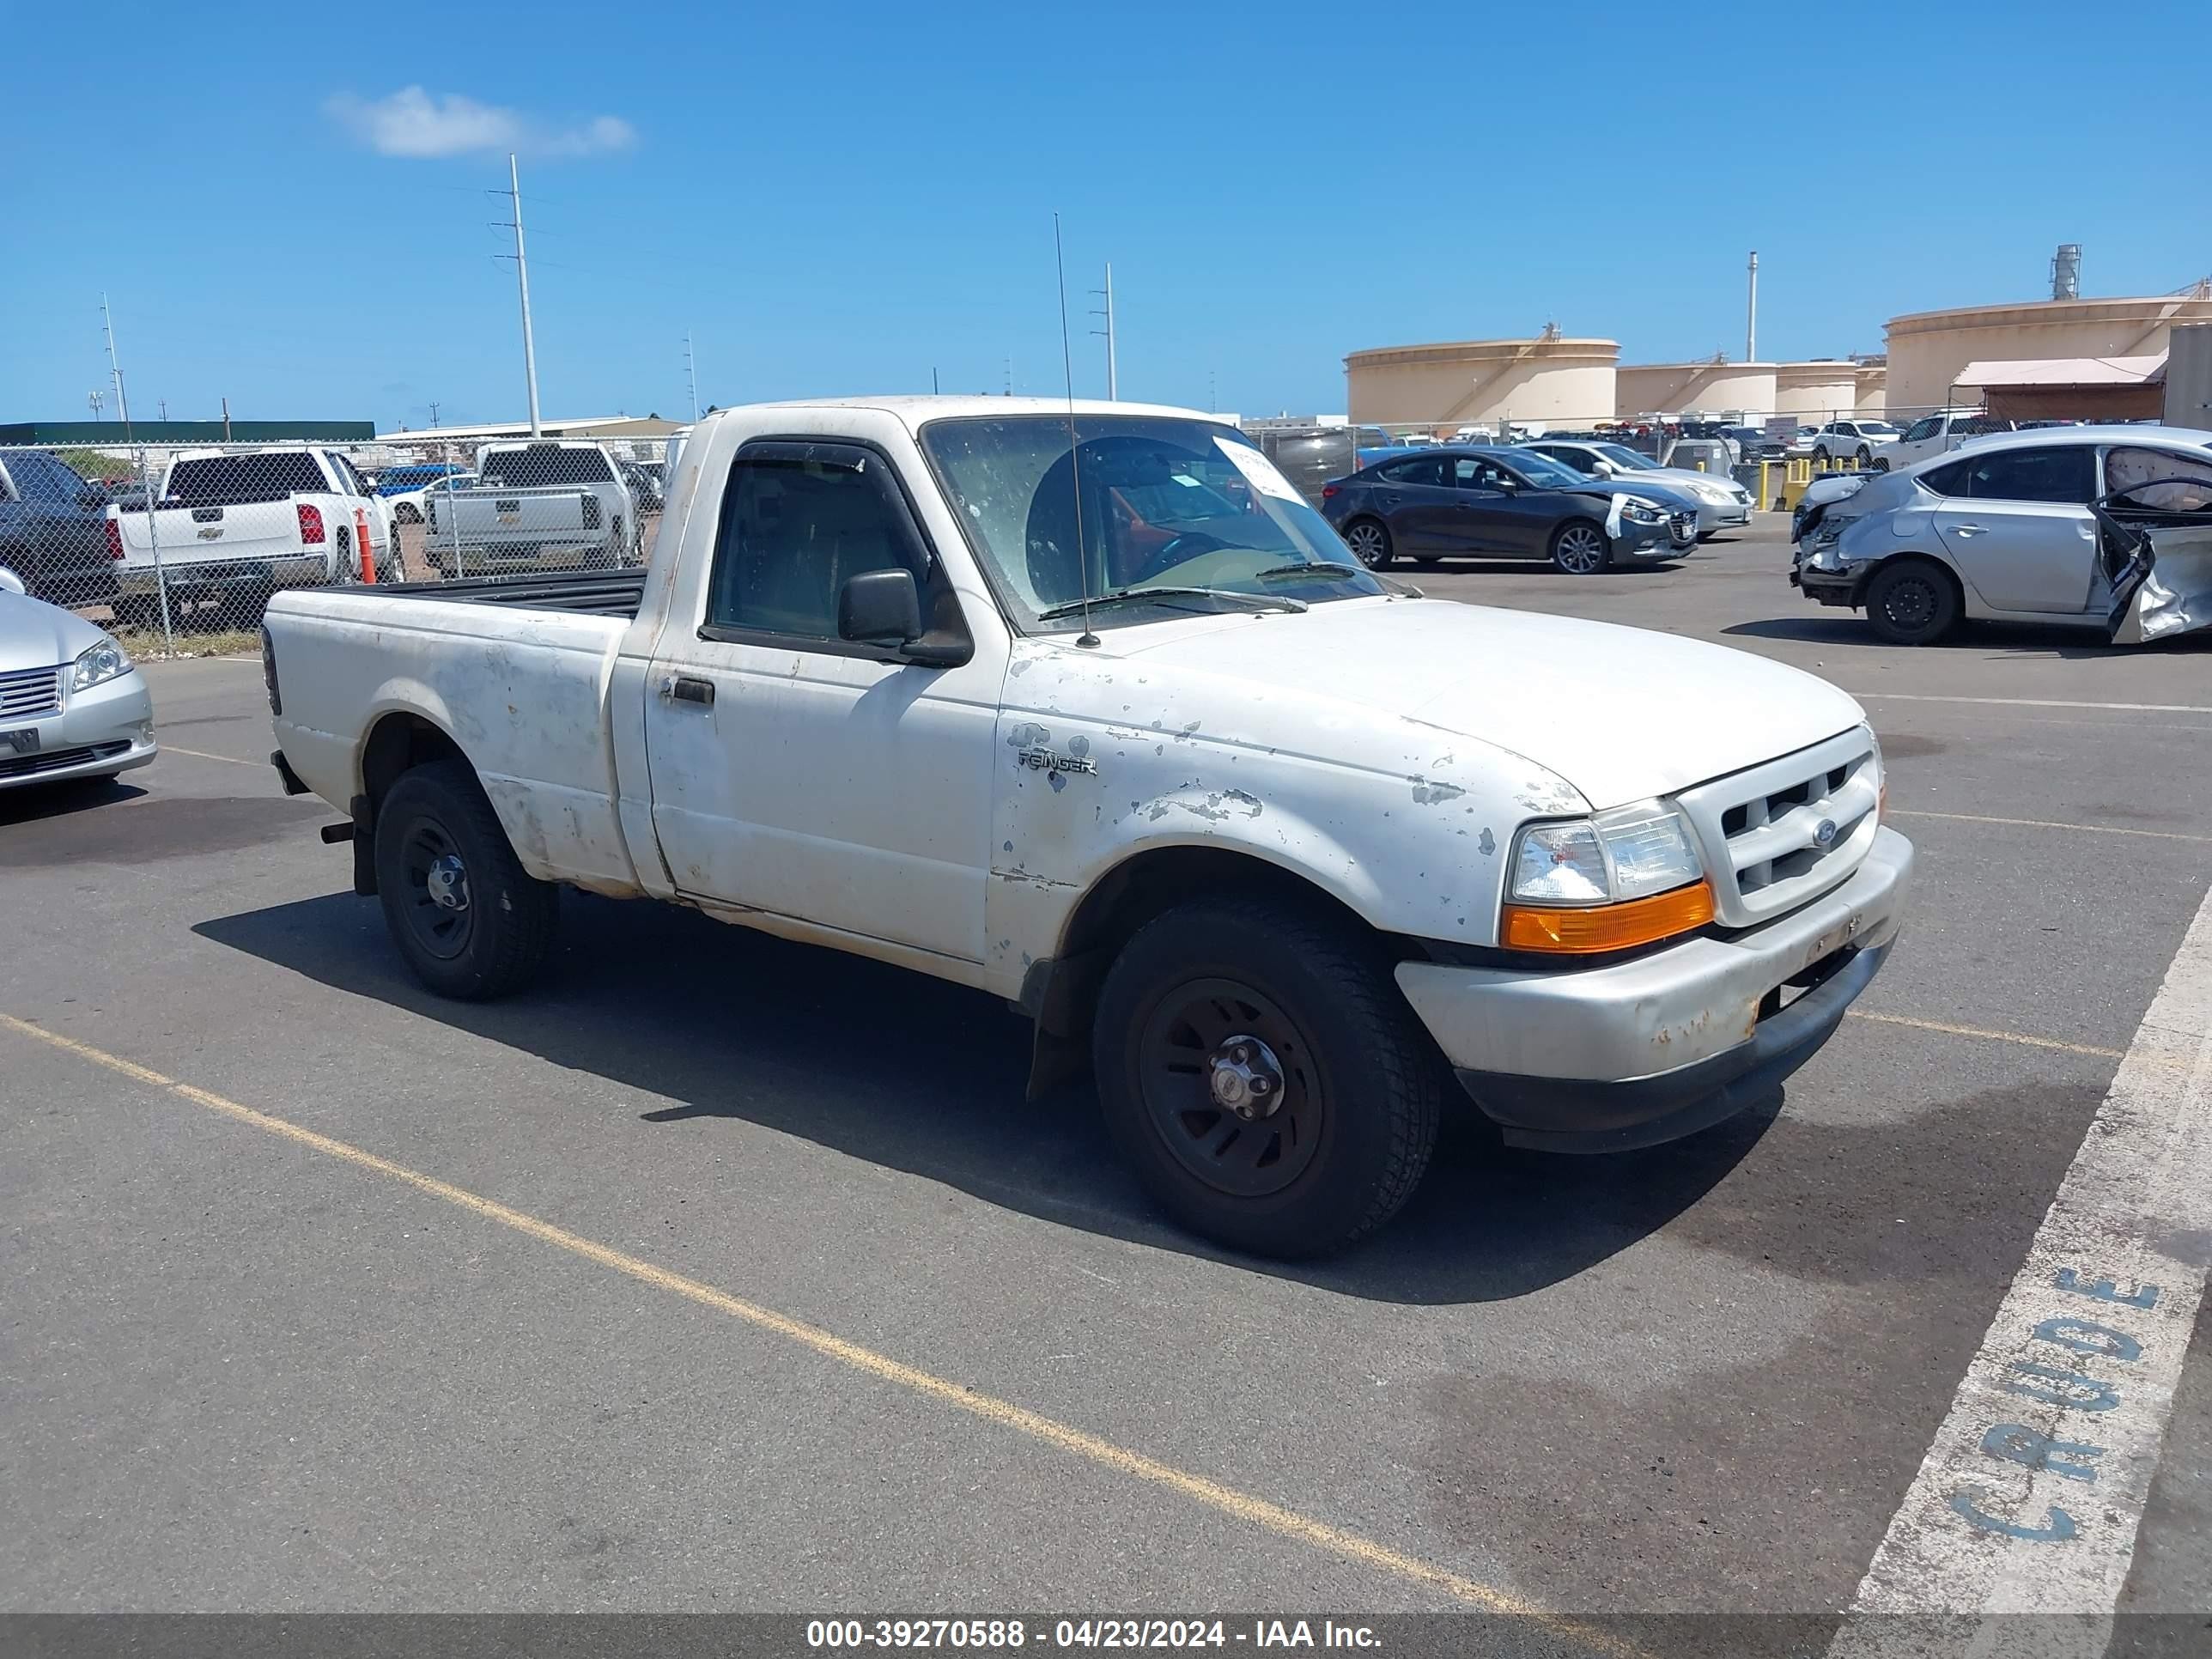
[592, 592]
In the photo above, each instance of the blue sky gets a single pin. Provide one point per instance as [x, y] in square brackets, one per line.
[288, 204]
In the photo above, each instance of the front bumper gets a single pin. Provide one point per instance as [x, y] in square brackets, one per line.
[95, 733]
[1722, 515]
[1842, 587]
[1645, 541]
[1610, 1058]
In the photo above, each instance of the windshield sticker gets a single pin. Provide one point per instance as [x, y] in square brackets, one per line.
[1259, 471]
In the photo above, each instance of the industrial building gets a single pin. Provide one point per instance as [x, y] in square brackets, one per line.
[1552, 377]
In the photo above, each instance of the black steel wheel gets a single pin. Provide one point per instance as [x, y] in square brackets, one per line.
[1229, 1087]
[1261, 1073]
[1370, 542]
[469, 920]
[1912, 602]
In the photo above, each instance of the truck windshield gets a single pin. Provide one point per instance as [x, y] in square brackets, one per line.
[1162, 504]
[538, 465]
[236, 480]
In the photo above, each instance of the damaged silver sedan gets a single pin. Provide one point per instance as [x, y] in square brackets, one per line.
[2104, 527]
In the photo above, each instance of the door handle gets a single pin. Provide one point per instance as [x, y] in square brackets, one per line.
[682, 688]
[1970, 529]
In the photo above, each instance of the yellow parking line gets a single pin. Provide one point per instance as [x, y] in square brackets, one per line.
[2047, 823]
[202, 754]
[1255, 1511]
[2020, 1037]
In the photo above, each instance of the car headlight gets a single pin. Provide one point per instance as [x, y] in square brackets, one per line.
[1623, 878]
[1641, 511]
[98, 663]
[1712, 492]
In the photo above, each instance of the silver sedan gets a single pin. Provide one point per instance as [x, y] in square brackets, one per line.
[1723, 503]
[72, 705]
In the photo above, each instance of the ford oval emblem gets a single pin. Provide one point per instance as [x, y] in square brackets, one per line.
[1825, 836]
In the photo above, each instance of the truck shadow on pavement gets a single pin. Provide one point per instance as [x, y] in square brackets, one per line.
[926, 1076]
[2025, 639]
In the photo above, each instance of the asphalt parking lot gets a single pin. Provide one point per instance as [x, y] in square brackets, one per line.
[956, 1363]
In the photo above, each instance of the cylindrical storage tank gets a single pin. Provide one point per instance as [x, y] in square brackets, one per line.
[1874, 389]
[1482, 382]
[1927, 349]
[1817, 392]
[1676, 388]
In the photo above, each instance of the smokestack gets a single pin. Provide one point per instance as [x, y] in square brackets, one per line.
[2066, 272]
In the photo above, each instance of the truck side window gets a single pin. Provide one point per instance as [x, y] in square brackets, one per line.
[799, 520]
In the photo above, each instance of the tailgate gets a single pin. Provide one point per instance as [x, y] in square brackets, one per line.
[199, 535]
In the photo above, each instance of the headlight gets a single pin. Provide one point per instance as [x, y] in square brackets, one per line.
[1641, 511]
[101, 662]
[1623, 878]
[1713, 492]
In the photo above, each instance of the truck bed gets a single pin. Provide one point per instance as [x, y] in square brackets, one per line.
[586, 592]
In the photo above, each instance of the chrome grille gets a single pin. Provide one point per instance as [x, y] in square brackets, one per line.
[1761, 829]
[29, 692]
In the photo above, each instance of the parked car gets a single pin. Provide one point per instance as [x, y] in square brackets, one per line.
[1309, 456]
[1862, 443]
[56, 532]
[644, 479]
[1800, 446]
[232, 526]
[1940, 433]
[2026, 527]
[1754, 443]
[1263, 843]
[403, 488]
[1722, 502]
[71, 703]
[1374, 444]
[544, 504]
[1511, 503]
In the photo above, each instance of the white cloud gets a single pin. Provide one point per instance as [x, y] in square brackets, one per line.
[416, 124]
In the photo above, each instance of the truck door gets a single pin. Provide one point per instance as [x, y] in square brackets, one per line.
[804, 774]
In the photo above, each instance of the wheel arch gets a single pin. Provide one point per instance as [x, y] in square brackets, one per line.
[1058, 992]
[401, 736]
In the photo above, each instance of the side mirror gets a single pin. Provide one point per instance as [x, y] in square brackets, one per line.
[879, 607]
[1601, 470]
[9, 582]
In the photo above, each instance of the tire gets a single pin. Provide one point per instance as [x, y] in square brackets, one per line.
[1912, 602]
[348, 570]
[496, 937]
[1820, 456]
[1426, 560]
[1879, 464]
[1358, 1084]
[1864, 456]
[1578, 547]
[1369, 542]
[405, 513]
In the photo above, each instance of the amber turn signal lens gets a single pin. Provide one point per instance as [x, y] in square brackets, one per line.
[1608, 926]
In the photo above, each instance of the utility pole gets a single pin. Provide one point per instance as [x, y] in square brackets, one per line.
[94, 400]
[522, 277]
[114, 367]
[1113, 378]
[162, 404]
[932, 380]
[691, 373]
[434, 413]
[1751, 314]
[225, 420]
[1010, 377]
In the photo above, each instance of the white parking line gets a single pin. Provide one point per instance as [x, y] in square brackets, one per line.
[2047, 823]
[2030, 1496]
[202, 754]
[2040, 702]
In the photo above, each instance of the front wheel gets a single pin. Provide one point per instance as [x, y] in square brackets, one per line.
[1911, 602]
[470, 922]
[405, 513]
[1260, 1070]
[1578, 547]
[1864, 456]
[1370, 542]
[1819, 457]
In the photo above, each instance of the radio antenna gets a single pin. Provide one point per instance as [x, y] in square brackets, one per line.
[1074, 459]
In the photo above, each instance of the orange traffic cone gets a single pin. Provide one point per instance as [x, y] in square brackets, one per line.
[361, 541]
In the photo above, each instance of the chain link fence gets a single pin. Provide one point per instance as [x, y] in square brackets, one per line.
[177, 551]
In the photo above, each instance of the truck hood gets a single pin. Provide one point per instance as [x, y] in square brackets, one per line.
[1622, 714]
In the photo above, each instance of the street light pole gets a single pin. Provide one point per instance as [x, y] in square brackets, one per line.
[522, 277]
[1751, 314]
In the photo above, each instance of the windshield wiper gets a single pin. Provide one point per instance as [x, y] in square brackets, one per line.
[1123, 595]
[1317, 567]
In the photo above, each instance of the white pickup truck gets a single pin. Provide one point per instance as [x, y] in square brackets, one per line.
[1085, 706]
[545, 504]
[232, 526]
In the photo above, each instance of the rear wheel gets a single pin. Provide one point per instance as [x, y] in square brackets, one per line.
[470, 922]
[405, 513]
[1257, 1067]
[1370, 542]
[1912, 602]
[1864, 455]
[1578, 547]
